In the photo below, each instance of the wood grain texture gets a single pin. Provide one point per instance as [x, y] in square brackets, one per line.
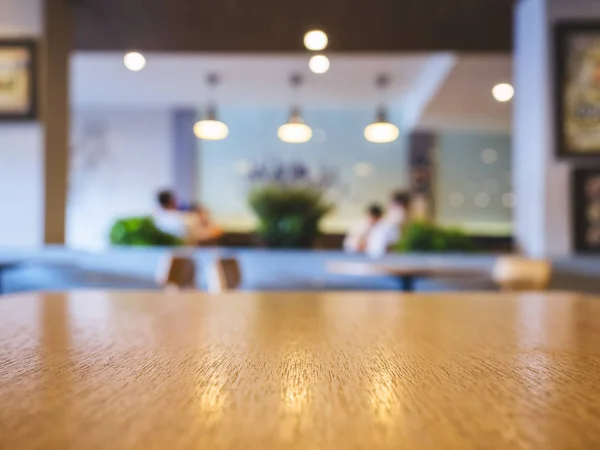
[299, 371]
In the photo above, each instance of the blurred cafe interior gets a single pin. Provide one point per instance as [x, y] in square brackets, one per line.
[317, 224]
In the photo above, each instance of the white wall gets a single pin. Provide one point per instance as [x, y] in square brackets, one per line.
[119, 160]
[21, 145]
[21, 18]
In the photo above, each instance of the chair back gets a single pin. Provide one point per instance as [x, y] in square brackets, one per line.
[177, 271]
[225, 275]
[513, 273]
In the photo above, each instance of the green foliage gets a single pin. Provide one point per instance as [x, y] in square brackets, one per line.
[288, 216]
[426, 237]
[140, 231]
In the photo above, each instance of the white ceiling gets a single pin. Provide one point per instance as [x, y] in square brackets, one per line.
[430, 90]
[101, 79]
[464, 100]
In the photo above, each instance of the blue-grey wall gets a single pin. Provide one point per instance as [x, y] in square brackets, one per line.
[467, 168]
[337, 142]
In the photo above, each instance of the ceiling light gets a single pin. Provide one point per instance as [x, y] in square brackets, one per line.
[381, 131]
[319, 64]
[315, 40]
[295, 131]
[134, 61]
[210, 128]
[503, 92]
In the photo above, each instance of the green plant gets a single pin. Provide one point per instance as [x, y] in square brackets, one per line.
[140, 231]
[427, 237]
[288, 215]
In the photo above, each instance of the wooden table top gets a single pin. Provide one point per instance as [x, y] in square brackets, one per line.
[375, 268]
[299, 371]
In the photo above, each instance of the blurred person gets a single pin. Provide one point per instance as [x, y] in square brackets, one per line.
[387, 231]
[358, 236]
[169, 219]
[204, 229]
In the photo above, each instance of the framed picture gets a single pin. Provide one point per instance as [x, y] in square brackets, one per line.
[586, 210]
[17, 80]
[577, 89]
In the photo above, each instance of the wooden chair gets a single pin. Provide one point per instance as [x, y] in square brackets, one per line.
[224, 275]
[177, 272]
[514, 273]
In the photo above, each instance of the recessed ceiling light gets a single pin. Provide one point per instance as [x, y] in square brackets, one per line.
[134, 61]
[319, 64]
[503, 92]
[315, 40]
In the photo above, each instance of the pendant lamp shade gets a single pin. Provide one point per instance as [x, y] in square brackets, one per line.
[210, 128]
[295, 131]
[381, 131]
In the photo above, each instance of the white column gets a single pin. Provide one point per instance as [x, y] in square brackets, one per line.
[542, 183]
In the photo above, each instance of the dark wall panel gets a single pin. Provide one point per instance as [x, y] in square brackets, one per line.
[278, 25]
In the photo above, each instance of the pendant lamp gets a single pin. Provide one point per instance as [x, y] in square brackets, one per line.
[210, 128]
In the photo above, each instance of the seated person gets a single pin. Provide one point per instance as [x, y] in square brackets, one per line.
[386, 232]
[357, 238]
[170, 219]
[205, 230]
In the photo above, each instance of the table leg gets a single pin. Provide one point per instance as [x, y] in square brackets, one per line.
[406, 283]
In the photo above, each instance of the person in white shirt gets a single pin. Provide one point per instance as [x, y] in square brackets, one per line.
[358, 236]
[170, 219]
[387, 231]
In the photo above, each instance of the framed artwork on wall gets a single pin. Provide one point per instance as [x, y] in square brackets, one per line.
[577, 89]
[586, 210]
[18, 80]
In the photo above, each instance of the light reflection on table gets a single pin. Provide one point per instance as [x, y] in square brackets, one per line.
[299, 370]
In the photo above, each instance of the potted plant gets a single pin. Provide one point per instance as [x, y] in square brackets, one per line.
[289, 203]
[420, 236]
[140, 231]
